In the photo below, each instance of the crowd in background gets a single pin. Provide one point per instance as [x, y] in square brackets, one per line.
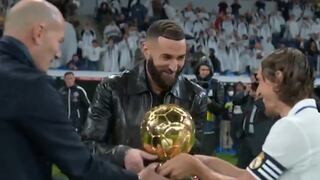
[234, 42]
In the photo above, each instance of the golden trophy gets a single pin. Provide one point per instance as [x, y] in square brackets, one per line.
[167, 130]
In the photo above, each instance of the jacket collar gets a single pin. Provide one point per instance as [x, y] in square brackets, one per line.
[16, 49]
[138, 82]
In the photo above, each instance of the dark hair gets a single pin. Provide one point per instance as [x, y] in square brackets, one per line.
[297, 81]
[94, 41]
[165, 28]
[67, 73]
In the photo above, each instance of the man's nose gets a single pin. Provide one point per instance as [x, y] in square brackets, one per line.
[173, 66]
[58, 54]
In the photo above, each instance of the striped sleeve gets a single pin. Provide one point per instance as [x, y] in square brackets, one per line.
[264, 167]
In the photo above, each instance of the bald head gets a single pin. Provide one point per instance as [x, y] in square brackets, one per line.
[26, 13]
[39, 25]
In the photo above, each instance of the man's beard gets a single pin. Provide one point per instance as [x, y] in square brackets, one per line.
[156, 76]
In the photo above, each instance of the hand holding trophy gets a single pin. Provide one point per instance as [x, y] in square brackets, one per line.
[167, 130]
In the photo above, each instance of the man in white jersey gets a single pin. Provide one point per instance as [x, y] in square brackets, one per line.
[292, 148]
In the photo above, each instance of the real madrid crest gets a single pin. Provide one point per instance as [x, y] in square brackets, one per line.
[75, 97]
[256, 163]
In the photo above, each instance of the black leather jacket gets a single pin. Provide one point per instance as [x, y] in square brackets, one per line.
[119, 106]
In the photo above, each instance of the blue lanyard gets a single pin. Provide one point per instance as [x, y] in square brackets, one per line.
[303, 108]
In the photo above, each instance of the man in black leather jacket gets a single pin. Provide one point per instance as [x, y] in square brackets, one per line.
[121, 101]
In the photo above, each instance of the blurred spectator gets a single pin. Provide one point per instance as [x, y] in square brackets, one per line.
[223, 6]
[214, 61]
[222, 56]
[225, 124]
[198, 55]
[312, 51]
[267, 46]
[237, 116]
[112, 31]
[133, 39]
[242, 27]
[92, 55]
[283, 7]
[234, 58]
[76, 63]
[125, 54]
[87, 35]
[296, 10]
[138, 13]
[235, 7]
[104, 15]
[111, 56]
[260, 5]
[227, 26]
[265, 30]
[308, 10]
[316, 26]
[158, 11]
[277, 24]
[188, 13]
[305, 28]
[292, 31]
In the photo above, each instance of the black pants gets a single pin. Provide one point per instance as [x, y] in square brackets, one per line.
[248, 150]
[209, 143]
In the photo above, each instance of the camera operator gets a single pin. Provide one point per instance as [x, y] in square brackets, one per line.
[215, 92]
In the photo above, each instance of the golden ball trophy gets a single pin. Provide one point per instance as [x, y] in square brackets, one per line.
[167, 130]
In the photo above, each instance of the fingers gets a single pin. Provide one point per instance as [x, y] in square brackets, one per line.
[165, 169]
[148, 156]
[153, 166]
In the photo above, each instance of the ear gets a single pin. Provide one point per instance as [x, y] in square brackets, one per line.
[38, 33]
[146, 50]
[279, 77]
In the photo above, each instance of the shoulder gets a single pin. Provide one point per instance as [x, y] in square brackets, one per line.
[193, 87]
[116, 80]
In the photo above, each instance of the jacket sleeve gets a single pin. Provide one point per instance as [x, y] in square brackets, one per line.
[215, 104]
[240, 98]
[84, 105]
[44, 122]
[98, 127]
[199, 116]
[85, 102]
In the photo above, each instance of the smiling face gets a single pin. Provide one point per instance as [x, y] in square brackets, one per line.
[165, 60]
[266, 91]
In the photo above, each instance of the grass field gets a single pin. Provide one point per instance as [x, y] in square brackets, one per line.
[59, 176]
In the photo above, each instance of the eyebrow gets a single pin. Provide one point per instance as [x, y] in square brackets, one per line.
[170, 55]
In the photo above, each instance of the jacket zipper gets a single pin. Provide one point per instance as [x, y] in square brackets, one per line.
[69, 103]
[151, 100]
